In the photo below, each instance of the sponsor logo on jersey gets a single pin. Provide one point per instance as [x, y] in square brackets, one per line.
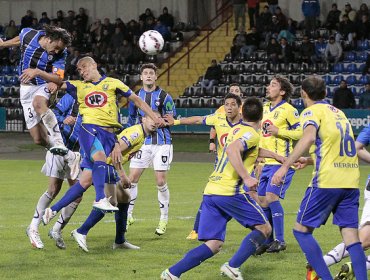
[236, 130]
[265, 126]
[307, 114]
[96, 99]
[223, 139]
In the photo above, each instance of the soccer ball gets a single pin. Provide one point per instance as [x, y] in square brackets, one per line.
[151, 42]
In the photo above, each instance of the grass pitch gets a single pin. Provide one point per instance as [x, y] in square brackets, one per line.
[21, 185]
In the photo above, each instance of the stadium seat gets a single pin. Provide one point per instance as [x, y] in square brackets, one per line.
[261, 92]
[363, 45]
[228, 69]
[364, 79]
[214, 91]
[7, 70]
[1, 91]
[362, 57]
[263, 80]
[240, 57]
[298, 103]
[240, 69]
[252, 68]
[251, 80]
[303, 68]
[228, 57]
[329, 92]
[297, 92]
[275, 68]
[349, 57]
[188, 92]
[3, 81]
[362, 91]
[14, 70]
[250, 91]
[351, 68]
[327, 79]
[338, 68]
[200, 92]
[263, 68]
[338, 79]
[188, 103]
[351, 80]
[313, 68]
[323, 68]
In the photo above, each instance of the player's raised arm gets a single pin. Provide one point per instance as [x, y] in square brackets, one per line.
[14, 42]
[190, 120]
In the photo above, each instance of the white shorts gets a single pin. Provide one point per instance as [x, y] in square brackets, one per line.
[157, 156]
[27, 93]
[365, 217]
[56, 167]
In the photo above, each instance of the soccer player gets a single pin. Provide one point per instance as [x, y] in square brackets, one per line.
[334, 186]
[225, 198]
[130, 141]
[57, 170]
[340, 251]
[43, 55]
[157, 150]
[97, 96]
[222, 123]
[280, 126]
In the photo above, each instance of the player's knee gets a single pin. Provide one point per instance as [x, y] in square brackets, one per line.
[266, 229]
[53, 190]
[214, 245]
[162, 184]
[271, 197]
[39, 105]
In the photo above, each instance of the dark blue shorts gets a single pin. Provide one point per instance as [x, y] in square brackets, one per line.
[89, 133]
[112, 175]
[264, 185]
[218, 210]
[317, 204]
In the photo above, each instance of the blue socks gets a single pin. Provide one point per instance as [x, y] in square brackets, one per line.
[277, 212]
[268, 215]
[313, 253]
[121, 221]
[247, 248]
[98, 177]
[197, 218]
[358, 260]
[71, 195]
[94, 217]
[192, 259]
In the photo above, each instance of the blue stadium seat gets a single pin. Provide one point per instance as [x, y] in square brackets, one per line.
[351, 80]
[14, 70]
[362, 91]
[298, 103]
[363, 56]
[338, 68]
[327, 79]
[354, 90]
[349, 56]
[364, 79]
[7, 70]
[363, 45]
[1, 91]
[3, 81]
[352, 68]
[14, 81]
[338, 79]
[329, 92]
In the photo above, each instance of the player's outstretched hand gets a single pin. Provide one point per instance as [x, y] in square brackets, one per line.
[52, 87]
[126, 183]
[28, 74]
[251, 183]
[272, 129]
[116, 154]
[279, 176]
[169, 119]
[159, 122]
[69, 120]
[301, 163]
[212, 148]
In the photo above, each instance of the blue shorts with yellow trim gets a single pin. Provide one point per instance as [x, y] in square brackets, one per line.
[319, 203]
[87, 136]
[112, 175]
[264, 185]
[218, 210]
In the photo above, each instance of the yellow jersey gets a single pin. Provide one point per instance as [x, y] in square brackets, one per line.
[134, 137]
[225, 180]
[221, 110]
[98, 101]
[222, 127]
[285, 117]
[334, 152]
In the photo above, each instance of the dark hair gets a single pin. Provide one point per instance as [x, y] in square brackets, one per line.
[56, 33]
[314, 87]
[233, 96]
[148, 65]
[44, 14]
[286, 86]
[252, 109]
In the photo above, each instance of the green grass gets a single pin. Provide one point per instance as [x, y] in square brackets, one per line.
[21, 185]
[195, 143]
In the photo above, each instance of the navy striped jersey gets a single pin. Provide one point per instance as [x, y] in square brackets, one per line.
[160, 101]
[34, 56]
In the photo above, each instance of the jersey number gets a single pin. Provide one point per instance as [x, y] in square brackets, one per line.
[347, 143]
[30, 114]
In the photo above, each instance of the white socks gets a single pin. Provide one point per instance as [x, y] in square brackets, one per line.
[42, 204]
[65, 216]
[51, 124]
[133, 194]
[164, 201]
[336, 255]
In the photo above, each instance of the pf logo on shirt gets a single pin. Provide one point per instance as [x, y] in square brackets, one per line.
[96, 99]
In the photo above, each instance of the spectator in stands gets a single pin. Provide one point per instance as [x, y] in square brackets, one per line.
[252, 12]
[351, 13]
[124, 52]
[60, 16]
[239, 41]
[306, 50]
[14, 55]
[116, 39]
[108, 26]
[82, 19]
[213, 75]
[96, 31]
[122, 26]
[167, 19]
[11, 30]
[239, 12]
[346, 30]
[286, 56]
[320, 47]
[363, 28]
[274, 29]
[68, 21]
[281, 17]
[77, 27]
[311, 11]
[77, 39]
[26, 20]
[364, 102]
[133, 30]
[44, 20]
[163, 29]
[137, 55]
[148, 14]
[364, 10]
[264, 20]
[343, 97]
[273, 50]
[252, 41]
[71, 61]
[273, 4]
[35, 24]
[149, 24]
[333, 51]
[289, 32]
[332, 20]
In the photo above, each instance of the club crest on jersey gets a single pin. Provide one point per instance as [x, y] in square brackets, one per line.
[265, 125]
[134, 135]
[296, 114]
[276, 115]
[96, 99]
[164, 159]
[236, 131]
[105, 87]
[50, 57]
[157, 103]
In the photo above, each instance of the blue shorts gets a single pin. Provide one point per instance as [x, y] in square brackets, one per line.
[90, 133]
[317, 204]
[112, 175]
[217, 211]
[264, 185]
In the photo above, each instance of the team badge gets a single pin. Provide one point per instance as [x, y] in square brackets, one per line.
[157, 103]
[134, 135]
[50, 57]
[96, 99]
[296, 114]
[105, 87]
[276, 115]
[164, 159]
[236, 131]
